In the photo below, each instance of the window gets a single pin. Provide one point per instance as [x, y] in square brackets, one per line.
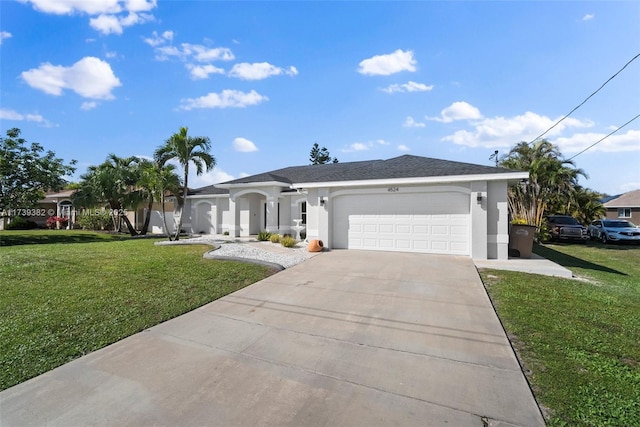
[624, 212]
[303, 212]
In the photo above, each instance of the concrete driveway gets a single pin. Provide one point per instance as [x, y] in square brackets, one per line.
[347, 338]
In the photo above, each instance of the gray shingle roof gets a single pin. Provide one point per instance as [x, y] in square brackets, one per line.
[208, 190]
[626, 200]
[406, 166]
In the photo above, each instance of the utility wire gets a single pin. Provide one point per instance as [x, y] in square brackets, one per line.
[588, 97]
[603, 138]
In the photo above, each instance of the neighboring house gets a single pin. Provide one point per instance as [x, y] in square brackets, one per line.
[625, 206]
[54, 204]
[407, 203]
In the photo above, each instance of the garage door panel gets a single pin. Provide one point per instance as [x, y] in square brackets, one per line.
[458, 230]
[385, 228]
[439, 230]
[370, 228]
[403, 228]
[437, 223]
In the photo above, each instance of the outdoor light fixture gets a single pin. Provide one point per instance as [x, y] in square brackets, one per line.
[479, 197]
[323, 200]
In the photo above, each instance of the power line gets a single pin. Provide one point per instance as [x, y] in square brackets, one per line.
[603, 138]
[587, 98]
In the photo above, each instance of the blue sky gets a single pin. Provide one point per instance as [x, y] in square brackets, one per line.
[368, 80]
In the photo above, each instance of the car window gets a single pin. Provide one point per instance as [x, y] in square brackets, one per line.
[563, 220]
[618, 224]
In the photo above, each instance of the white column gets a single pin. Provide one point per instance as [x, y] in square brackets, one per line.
[478, 202]
[234, 226]
[272, 214]
[324, 217]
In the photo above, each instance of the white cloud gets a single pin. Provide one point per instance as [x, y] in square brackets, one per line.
[196, 52]
[259, 71]
[110, 55]
[66, 7]
[215, 176]
[158, 39]
[90, 77]
[384, 65]
[411, 123]
[244, 145]
[88, 105]
[588, 17]
[114, 24]
[226, 99]
[629, 141]
[6, 114]
[457, 111]
[507, 131]
[364, 146]
[407, 87]
[140, 5]
[357, 146]
[199, 72]
[5, 35]
[403, 147]
[107, 16]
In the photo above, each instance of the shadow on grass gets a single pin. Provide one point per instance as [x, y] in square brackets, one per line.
[569, 261]
[39, 237]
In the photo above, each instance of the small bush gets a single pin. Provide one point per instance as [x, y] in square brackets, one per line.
[274, 238]
[20, 223]
[263, 236]
[97, 220]
[226, 233]
[288, 242]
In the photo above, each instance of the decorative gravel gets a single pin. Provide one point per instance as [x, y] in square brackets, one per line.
[256, 251]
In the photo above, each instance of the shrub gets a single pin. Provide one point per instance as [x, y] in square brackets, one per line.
[98, 220]
[288, 242]
[52, 221]
[226, 233]
[263, 236]
[21, 223]
[274, 238]
[519, 221]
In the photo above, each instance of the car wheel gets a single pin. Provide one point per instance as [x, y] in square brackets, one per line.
[603, 238]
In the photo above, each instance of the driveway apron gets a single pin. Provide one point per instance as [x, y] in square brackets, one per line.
[347, 338]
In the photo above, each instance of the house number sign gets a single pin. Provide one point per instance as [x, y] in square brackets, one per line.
[393, 189]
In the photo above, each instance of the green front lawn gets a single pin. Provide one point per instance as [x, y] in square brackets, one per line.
[64, 293]
[580, 339]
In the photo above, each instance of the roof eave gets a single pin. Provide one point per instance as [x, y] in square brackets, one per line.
[254, 184]
[512, 177]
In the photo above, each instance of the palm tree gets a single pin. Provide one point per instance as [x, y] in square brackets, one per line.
[552, 180]
[113, 182]
[155, 180]
[147, 183]
[585, 206]
[185, 150]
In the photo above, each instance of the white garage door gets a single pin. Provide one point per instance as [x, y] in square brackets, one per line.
[429, 223]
